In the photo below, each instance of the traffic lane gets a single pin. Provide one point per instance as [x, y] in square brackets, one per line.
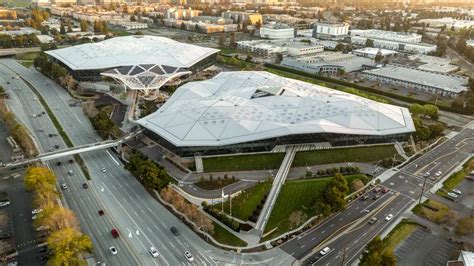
[301, 246]
[217, 193]
[350, 245]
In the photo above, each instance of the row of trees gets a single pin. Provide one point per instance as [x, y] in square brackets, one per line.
[230, 222]
[334, 197]
[376, 254]
[65, 240]
[102, 123]
[18, 41]
[151, 175]
[37, 16]
[332, 171]
[50, 69]
[188, 209]
[431, 130]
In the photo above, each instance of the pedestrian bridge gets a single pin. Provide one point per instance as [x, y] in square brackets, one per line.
[73, 150]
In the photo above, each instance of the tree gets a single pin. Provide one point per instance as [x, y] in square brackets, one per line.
[57, 218]
[296, 218]
[36, 177]
[336, 192]
[465, 226]
[374, 254]
[357, 184]
[67, 245]
[62, 29]
[378, 57]
[84, 25]
[133, 18]
[221, 39]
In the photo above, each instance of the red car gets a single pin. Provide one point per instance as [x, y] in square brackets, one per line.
[115, 233]
[385, 190]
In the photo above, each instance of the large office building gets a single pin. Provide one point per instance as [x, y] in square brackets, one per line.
[277, 31]
[251, 111]
[241, 17]
[403, 42]
[330, 63]
[140, 62]
[330, 31]
[417, 79]
[284, 47]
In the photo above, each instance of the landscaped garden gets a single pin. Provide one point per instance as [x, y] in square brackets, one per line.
[243, 162]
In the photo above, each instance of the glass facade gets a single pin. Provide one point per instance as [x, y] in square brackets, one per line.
[269, 144]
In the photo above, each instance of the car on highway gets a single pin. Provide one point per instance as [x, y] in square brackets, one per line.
[58, 163]
[375, 197]
[34, 115]
[113, 250]
[85, 186]
[56, 146]
[188, 256]
[104, 170]
[385, 190]
[438, 174]
[174, 230]
[457, 191]
[389, 217]
[70, 172]
[114, 233]
[35, 211]
[63, 186]
[453, 195]
[364, 197]
[154, 253]
[324, 251]
[376, 189]
[373, 220]
[71, 161]
[50, 149]
[101, 212]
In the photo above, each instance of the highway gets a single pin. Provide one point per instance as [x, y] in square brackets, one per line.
[407, 182]
[139, 218]
[83, 202]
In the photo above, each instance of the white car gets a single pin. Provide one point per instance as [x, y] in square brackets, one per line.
[324, 251]
[438, 174]
[457, 191]
[389, 217]
[64, 186]
[4, 203]
[154, 252]
[188, 256]
[426, 174]
[453, 195]
[113, 250]
[104, 170]
[35, 211]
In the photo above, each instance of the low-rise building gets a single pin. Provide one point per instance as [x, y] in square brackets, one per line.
[416, 79]
[21, 31]
[52, 23]
[405, 42]
[371, 52]
[330, 31]
[328, 63]
[181, 13]
[449, 22]
[129, 25]
[277, 31]
[200, 26]
[286, 47]
[241, 17]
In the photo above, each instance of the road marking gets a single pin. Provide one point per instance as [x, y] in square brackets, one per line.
[113, 159]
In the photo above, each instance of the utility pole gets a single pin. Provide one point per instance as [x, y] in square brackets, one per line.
[344, 256]
[230, 202]
[422, 190]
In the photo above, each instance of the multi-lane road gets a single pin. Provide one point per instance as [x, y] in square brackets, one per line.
[136, 214]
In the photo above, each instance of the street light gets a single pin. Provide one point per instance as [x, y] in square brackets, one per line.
[422, 189]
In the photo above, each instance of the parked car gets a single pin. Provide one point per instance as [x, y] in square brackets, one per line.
[113, 250]
[114, 233]
[188, 256]
[453, 195]
[438, 174]
[324, 251]
[174, 230]
[457, 191]
[154, 253]
[389, 217]
[4, 203]
[427, 174]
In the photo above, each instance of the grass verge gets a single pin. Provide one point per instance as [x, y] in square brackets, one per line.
[59, 128]
[243, 162]
[401, 232]
[339, 155]
[299, 195]
[432, 210]
[225, 237]
[455, 179]
[246, 202]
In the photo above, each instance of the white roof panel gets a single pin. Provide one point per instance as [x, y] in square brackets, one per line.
[248, 106]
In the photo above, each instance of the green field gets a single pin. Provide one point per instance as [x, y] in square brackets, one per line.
[225, 237]
[246, 202]
[340, 155]
[243, 162]
[299, 195]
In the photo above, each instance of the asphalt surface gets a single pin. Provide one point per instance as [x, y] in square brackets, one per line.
[407, 183]
[7, 152]
[141, 220]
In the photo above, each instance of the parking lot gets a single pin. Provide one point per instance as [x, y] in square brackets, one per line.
[424, 247]
[467, 198]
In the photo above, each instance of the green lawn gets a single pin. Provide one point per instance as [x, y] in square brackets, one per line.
[403, 230]
[27, 56]
[430, 214]
[299, 195]
[246, 202]
[26, 63]
[455, 179]
[243, 162]
[339, 155]
[225, 237]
